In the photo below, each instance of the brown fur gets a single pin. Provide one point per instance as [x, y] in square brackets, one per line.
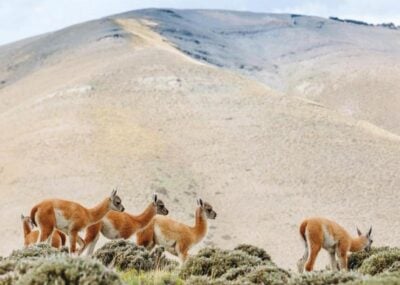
[70, 217]
[31, 236]
[320, 233]
[124, 224]
[178, 238]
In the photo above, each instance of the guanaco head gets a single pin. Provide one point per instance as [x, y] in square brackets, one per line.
[207, 209]
[159, 204]
[115, 202]
[27, 220]
[366, 239]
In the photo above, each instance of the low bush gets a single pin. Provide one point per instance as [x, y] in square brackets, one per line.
[380, 261]
[42, 264]
[357, 258]
[125, 255]
[156, 277]
[214, 262]
[324, 278]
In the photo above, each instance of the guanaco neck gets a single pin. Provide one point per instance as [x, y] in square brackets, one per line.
[27, 228]
[145, 217]
[200, 226]
[98, 212]
[357, 244]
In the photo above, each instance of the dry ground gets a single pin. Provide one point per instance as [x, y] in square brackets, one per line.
[136, 113]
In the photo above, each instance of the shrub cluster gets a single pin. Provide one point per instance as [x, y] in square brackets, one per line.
[246, 264]
[125, 255]
[42, 264]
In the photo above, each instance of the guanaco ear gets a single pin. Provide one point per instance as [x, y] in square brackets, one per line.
[155, 198]
[22, 216]
[200, 202]
[359, 232]
[113, 193]
[369, 232]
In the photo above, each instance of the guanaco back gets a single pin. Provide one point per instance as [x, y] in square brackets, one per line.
[320, 233]
[31, 236]
[177, 238]
[70, 217]
[117, 225]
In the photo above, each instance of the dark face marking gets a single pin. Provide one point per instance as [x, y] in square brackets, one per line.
[117, 204]
[210, 213]
[161, 209]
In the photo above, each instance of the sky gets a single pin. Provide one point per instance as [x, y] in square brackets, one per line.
[25, 18]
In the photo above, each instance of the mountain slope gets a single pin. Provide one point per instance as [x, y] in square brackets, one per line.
[346, 67]
[121, 106]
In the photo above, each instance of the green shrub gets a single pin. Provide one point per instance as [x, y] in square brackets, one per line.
[42, 264]
[214, 262]
[68, 270]
[234, 273]
[380, 279]
[324, 278]
[268, 275]
[380, 261]
[357, 258]
[395, 267]
[125, 255]
[156, 277]
[36, 250]
[204, 280]
[254, 251]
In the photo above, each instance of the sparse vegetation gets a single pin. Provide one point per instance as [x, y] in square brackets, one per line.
[129, 264]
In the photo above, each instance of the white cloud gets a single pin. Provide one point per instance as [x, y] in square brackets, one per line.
[24, 18]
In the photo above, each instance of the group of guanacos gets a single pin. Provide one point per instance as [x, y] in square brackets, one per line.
[57, 218]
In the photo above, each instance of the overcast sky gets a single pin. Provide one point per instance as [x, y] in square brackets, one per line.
[24, 18]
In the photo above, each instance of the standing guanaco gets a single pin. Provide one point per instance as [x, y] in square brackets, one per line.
[320, 233]
[177, 238]
[31, 236]
[122, 225]
[70, 217]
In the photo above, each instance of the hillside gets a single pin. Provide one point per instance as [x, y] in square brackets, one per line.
[122, 101]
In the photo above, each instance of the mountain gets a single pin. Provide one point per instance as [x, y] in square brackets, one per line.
[271, 118]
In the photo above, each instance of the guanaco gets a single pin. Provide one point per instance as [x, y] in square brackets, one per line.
[31, 236]
[70, 217]
[320, 233]
[117, 225]
[177, 238]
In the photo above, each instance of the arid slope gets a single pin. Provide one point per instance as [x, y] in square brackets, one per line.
[112, 103]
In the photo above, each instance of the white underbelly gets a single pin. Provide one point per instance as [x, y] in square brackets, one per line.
[161, 239]
[61, 222]
[108, 230]
[329, 242]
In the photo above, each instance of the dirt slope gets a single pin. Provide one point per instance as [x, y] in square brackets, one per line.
[123, 107]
